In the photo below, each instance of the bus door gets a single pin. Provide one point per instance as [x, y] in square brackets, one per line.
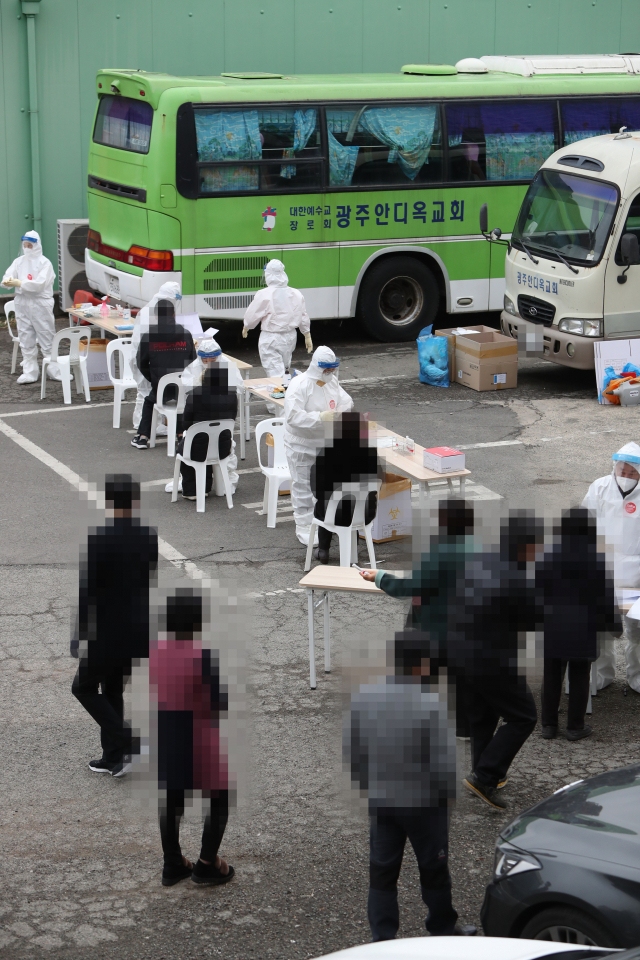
[622, 300]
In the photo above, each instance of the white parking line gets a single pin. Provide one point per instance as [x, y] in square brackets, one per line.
[75, 480]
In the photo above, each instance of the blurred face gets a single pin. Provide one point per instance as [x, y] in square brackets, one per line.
[209, 361]
[626, 470]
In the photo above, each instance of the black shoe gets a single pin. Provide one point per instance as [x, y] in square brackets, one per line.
[100, 766]
[208, 873]
[465, 930]
[122, 768]
[549, 733]
[578, 734]
[141, 443]
[502, 783]
[323, 555]
[174, 874]
[488, 794]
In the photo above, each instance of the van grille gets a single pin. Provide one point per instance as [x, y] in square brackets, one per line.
[233, 264]
[233, 283]
[536, 311]
[240, 302]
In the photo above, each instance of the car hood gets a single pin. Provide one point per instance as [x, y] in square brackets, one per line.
[458, 948]
[595, 818]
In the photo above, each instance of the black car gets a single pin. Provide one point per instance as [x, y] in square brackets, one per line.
[568, 869]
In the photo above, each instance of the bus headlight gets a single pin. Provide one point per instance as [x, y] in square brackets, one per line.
[584, 328]
[510, 306]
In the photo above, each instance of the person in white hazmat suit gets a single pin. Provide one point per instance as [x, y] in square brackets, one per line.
[615, 502]
[210, 353]
[31, 276]
[281, 310]
[312, 398]
[168, 291]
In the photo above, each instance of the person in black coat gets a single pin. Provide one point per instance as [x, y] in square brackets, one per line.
[166, 348]
[214, 399]
[494, 605]
[347, 458]
[577, 594]
[116, 573]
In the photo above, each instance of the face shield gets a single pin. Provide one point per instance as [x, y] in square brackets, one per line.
[327, 369]
[626, 474]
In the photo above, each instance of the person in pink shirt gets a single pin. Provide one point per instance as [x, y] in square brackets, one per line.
[185, 688]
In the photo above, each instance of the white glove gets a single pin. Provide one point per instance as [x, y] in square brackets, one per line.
[16, 283]
[244, 333]
[328, 415]
[8, 282]
[308, 342]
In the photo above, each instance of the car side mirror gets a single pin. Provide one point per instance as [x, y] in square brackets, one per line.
[630, 249]
[484, 220]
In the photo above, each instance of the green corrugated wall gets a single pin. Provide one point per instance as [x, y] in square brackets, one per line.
[76, 37]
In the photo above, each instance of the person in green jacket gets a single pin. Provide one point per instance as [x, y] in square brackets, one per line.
[431, 584]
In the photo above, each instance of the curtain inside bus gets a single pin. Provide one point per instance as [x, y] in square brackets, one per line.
[500, 141]
[593, 118]
[401, 135]
[123, 123]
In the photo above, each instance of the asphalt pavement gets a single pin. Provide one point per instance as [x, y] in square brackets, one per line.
[82, 860]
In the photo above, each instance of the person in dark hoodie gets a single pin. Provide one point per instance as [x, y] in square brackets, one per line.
[577, 594]
[214, 399]
[117, 570]
[494, 606]
[346, 458]
[166, 348]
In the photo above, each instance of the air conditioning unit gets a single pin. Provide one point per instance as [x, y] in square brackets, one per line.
[72, 242]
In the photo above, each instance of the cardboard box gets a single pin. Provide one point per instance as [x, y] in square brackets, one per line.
[451, 333]
[443, 459]
[486, 361]
[97, 370]
[393, 519]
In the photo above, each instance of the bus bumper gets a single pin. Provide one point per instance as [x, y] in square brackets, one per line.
[134, 290]
[555, 343]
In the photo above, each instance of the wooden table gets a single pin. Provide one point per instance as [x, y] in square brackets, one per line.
[411, 465]
[324, 579]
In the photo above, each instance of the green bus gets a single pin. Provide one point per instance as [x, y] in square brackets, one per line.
[367, 187]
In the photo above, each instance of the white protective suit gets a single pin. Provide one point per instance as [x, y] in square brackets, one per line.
[192, 377]
[168, 291]
[280, 310]
[34, 308]
[618, 521]
[304, 431]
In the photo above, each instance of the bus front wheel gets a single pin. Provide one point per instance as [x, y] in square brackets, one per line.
[398, 297]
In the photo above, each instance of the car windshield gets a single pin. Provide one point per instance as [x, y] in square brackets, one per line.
[566, 216]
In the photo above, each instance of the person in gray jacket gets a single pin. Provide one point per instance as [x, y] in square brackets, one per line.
[400, 749]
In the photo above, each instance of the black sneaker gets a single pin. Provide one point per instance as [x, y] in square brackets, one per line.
[100, 766]
[140, 443]
[578, 734]
[122, 768]
[502, 783]
[488, 794]
[323, 555]
[208, 873]
[549, 733]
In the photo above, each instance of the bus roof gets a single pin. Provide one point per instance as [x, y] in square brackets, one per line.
[261, 87]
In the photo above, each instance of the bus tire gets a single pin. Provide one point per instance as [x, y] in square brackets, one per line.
[398, 297]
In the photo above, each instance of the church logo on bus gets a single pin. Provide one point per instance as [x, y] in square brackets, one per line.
[269, 217]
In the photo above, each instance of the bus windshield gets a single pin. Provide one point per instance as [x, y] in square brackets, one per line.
[566, 215]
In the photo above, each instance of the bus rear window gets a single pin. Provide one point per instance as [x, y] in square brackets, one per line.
[123, 123]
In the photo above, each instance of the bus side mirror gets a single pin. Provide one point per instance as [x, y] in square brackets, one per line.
[629, 249]
[484, 219]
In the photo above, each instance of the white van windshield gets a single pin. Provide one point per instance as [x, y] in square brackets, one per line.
[566, 215]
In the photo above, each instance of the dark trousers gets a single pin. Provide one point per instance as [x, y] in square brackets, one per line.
[428, 832]
[344, 515]
[214, 826]
[487, 700]
[99, 688]
[579, 675]
[171, 393]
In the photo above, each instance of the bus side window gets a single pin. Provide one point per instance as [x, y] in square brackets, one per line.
[594, 118]
[500, 141]
[631, 225]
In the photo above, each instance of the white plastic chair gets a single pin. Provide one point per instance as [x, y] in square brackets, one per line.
[275, 475]
[348, 536]
[10, 307]
[168, 410]
[74, 363]
[125, 381]
[212, 429]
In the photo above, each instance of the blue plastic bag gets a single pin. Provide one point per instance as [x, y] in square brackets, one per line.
[433, 357]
